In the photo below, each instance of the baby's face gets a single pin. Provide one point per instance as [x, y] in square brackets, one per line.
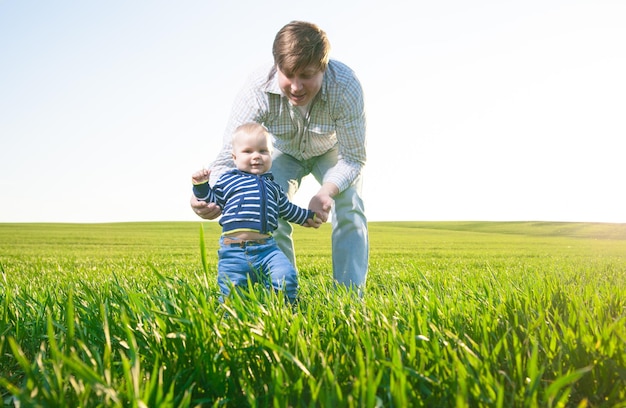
[253, 153]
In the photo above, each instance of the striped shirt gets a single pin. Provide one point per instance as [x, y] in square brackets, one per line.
[336, 118]
[251, 202]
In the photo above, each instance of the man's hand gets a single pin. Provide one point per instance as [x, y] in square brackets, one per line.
[313, 222]
[208, 211]
[322, 202]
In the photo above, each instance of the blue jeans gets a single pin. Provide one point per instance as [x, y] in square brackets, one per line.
[264, 263]
[350, 242]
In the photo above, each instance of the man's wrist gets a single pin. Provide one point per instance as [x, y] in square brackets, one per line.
[329, 189]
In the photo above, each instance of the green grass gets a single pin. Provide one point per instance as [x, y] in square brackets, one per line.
[461, 314]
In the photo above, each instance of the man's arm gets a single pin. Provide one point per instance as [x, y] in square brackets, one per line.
[348, 114]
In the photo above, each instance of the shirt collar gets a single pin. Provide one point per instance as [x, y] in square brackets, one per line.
[268, 175]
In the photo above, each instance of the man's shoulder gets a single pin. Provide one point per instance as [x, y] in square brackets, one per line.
[338, 65]
[340, 80]
[339, 73]
[340, 69]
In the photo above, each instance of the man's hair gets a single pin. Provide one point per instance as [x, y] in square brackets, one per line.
[299, 45]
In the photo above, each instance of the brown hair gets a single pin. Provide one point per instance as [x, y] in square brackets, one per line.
[299, 45]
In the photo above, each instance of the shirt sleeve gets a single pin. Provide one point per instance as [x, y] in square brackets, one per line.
[350, 122]
[290, 211]
[204, 192]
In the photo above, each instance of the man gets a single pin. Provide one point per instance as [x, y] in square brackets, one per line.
[313, 106]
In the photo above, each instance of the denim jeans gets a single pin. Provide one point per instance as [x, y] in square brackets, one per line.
[350, 242]
[263, 263]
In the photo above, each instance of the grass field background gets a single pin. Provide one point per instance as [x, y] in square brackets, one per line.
[455, 314]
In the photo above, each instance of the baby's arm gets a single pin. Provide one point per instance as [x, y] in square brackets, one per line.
[208, 209]
[293, 213]
[201, 189]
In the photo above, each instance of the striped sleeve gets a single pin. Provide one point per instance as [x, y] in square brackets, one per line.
[204, 193]
[291, 212]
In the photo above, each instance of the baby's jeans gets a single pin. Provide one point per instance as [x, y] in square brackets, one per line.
[263, 263]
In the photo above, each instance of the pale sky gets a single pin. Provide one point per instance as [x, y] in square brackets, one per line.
[477, 110]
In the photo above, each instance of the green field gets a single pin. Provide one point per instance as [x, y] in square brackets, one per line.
[456, 314]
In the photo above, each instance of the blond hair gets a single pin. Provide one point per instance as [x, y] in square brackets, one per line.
[249, 129]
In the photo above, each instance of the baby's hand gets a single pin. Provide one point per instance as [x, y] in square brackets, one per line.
[314, 222]
[200, 176]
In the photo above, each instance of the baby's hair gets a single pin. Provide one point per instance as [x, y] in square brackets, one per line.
[250, 128]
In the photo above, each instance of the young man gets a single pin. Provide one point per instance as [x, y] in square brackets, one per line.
[314, 108]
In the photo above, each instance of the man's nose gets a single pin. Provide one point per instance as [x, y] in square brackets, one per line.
[296, 84]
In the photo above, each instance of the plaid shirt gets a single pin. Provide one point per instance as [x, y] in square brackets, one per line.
[336, 118]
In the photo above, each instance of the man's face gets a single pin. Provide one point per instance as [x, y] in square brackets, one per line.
[302, 86]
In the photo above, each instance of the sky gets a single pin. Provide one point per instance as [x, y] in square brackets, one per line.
[481, 110]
